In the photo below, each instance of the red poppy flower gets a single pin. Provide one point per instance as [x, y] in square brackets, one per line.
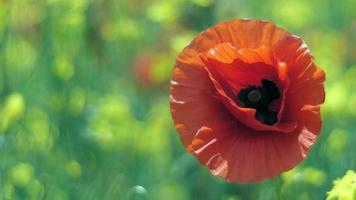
[245, 99]
[142, 69]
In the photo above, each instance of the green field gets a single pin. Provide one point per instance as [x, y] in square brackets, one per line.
[84, 99]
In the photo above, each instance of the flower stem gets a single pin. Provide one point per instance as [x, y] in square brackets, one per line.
[277, 183]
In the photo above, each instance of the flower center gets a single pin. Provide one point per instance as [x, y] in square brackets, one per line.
[260, 98]
[254, 95]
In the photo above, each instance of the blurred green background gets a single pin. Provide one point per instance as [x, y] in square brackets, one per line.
[84, 110]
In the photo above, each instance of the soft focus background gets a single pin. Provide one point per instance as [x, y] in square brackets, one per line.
[84, 110]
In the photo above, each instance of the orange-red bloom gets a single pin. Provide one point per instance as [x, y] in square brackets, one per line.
[245, 99]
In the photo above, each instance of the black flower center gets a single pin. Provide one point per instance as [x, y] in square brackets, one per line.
[254, 95]
[259, 98]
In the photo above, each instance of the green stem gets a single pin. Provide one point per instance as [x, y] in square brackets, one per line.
[277, 183]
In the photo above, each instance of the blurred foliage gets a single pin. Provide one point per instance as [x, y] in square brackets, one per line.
[344, 188]
[84, 99]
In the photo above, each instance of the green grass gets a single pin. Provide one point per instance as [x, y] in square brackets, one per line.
[84, 110]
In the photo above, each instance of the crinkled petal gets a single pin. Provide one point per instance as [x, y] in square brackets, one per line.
[236, 154]
[230, 74]
[207, 128]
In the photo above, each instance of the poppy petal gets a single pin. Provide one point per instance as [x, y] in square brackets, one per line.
[192, 100]
[253, 33]
[241, 33]
[227, 72]
[239, 156]
[224, 135]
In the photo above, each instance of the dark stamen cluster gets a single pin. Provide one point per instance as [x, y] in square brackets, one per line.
[259, 98]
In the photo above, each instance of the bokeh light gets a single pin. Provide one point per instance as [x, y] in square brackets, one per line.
[84, 107]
